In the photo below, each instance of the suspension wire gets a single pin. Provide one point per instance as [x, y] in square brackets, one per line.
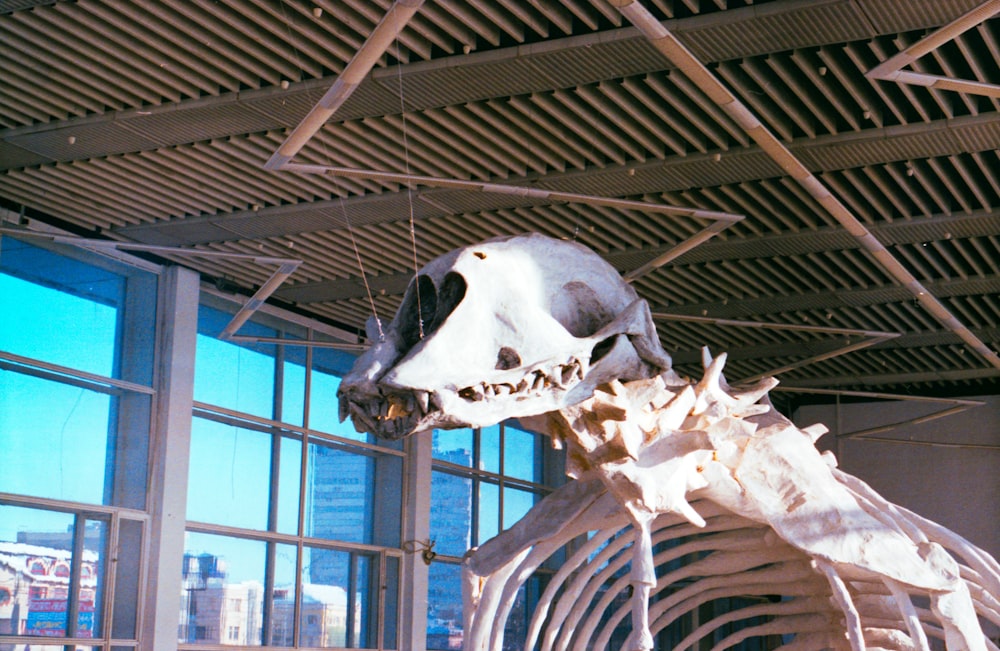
[409, 193]
[343, 207]
[361, 270]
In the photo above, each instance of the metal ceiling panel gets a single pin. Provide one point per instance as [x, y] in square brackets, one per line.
[10, 6]
[169, 128]
[14, 157]
[520, 71]
[776, 27]
[905, 15]
[909, 144]
[194, 232]
[81, 141]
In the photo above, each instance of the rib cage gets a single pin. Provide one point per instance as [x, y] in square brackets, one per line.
[585, 600]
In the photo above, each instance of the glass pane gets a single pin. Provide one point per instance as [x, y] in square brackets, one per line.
[222, 593]
[521, 454]
[325, 582]
[328, 366]
[127, 572]
[365, 602]
[453, 446]
[324, 413]
[283, 596]
[339, 488]
[66, 310]
[516, 503]
[293, 386]
[451, 513]
[42, 543]
[444, 606]
[489, 511]
[489, 449]
[289, 479]
[390, 618]
[92, 579]
[515, 630]
[58, 433]
[231, 375]
[229, 475]
[331, 361]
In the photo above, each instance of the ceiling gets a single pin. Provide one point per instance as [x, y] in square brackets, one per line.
[151, 123]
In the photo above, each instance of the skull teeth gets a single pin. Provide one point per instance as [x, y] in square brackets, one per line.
[391, 415]
[560, 376]
[423, 401]
[394, 415]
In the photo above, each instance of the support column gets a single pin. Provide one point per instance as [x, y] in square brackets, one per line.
[177, 327]
[413, 621]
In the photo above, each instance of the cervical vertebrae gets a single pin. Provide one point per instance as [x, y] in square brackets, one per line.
[664, 449]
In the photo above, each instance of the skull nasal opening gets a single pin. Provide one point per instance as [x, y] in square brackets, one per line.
[507, 359]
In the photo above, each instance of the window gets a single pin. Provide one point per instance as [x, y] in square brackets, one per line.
[483, 481]
[75, 414]
[294, 521]
[288, 509]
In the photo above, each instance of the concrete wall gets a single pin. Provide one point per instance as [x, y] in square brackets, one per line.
[947, 470]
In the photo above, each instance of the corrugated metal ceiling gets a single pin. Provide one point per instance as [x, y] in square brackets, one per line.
[150, 122]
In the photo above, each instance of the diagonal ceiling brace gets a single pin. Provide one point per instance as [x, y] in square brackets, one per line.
[675, 51]
[892, 68]
[389, 28]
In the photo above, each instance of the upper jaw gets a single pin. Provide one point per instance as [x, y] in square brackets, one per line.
[394, 412]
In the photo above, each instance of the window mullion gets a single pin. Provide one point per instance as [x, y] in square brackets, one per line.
[502, 451]
[279, 381]
[475, 487]
[75, 572]
[272, 526]
[297, 605]
[268, 605]
[307, 399]
[352, 588]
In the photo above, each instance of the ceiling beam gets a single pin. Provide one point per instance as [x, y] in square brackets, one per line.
[173, 124]
[676, 52]
[978, 224]
[823, 154]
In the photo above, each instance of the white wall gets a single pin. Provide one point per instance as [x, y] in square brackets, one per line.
[958, 487]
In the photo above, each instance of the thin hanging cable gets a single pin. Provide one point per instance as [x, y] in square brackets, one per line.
[409, 193]
[329, 159]
[361, 270]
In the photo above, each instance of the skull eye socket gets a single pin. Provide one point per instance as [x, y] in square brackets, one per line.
[419, 306]
[450, 294]
[424, 303]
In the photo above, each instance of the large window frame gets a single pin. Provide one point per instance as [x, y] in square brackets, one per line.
[487, 468]
[103, 556]
[374, 562]
[153, 387]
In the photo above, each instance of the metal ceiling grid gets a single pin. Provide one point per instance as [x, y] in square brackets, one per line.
[162, 139]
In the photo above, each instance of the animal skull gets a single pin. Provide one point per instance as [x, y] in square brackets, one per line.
[511, 327]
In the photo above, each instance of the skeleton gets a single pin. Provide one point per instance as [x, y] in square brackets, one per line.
[566, 346]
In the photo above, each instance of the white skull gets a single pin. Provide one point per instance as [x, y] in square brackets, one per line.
[512, 327]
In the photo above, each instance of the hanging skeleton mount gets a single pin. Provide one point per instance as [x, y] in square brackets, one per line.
[703, 490]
